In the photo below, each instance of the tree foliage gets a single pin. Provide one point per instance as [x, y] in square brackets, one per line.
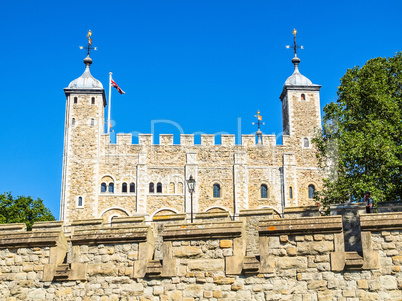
[360, 144]
[23, 210]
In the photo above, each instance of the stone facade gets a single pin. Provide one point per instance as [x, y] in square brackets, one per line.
[259, 257]
[92, 164]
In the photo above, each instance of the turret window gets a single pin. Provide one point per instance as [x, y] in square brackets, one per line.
[311, 191]
[159, 187]
[303, 97]
[151, 187]
[93, 100]
[80, 202]
[92, 122]
[306, 143]
[73, 122]
[217, 191]
[124, 187]
[75, 100]
[107, 185]
[111, 188]
[264, 191]
[103, 187]
[132, 187]
[291, 192]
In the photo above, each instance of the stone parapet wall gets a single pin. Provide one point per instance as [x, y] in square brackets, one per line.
[297, 258]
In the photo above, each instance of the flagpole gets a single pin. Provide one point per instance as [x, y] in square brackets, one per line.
[110, 102]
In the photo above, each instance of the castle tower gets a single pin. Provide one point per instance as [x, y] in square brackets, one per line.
[300, 107]
[301, 117]
[84, 124]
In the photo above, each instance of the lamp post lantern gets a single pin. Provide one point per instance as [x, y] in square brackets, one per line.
[191, 184]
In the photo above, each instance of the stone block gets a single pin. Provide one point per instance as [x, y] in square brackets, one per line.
[193, 290]
[388, 282]
[317, 284]
[234, 265]
[222, 280]
[364, 295]
[371, 260]
[291, 262]
[291, 251]
[104, 269]
[78, 271]
[187, 252]
[315, 247]
[267, 264]
[206, 265]
[338, 260]
[225, 244]
[49, 271]
[397, 260]
[236, 286]
[169, 267]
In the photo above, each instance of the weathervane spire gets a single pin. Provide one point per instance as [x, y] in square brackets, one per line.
[89, 46]
[295, 46]
[259, 122]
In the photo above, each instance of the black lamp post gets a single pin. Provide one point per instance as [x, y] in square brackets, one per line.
[191, 184]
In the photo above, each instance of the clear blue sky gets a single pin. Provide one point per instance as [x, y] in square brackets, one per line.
[202, 64]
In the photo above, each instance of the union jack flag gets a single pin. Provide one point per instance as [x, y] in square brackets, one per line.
[117, 87]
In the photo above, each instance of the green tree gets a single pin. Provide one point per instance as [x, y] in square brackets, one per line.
[360, 145]
[23, 210]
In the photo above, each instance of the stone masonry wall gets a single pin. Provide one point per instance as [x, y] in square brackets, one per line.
[296, 259]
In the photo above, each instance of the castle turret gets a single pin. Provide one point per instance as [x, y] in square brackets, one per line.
[84, 124]
[300, 107]
[301, 117]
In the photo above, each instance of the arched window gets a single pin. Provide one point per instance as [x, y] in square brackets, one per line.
[73, 122]
[159, 187]
[103, 187]
[303, 97]
[171, 187]
[132, 187]
[264, 191]
[217, 191]
[93, 100]
[124, 187]
[75, 100]
[306, 142]
[79, 201]
[291, 192]
[311, 191]
[151, 187]
[92, 122]
[111, 188]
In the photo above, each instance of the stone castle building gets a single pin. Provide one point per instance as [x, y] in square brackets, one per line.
[107, 249]
[106, 180]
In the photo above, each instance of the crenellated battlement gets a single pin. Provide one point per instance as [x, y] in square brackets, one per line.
[259, 255]
[188, 140]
